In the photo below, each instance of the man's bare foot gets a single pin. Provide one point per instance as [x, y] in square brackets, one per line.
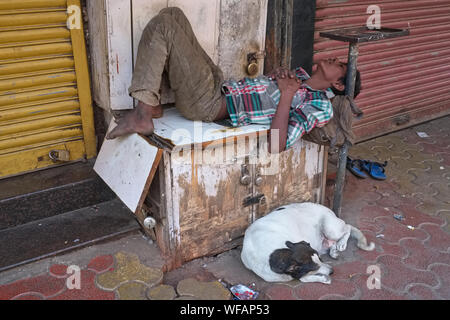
[157, 112]
[137, 121]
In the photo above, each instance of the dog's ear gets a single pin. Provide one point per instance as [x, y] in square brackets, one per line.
[290, 245]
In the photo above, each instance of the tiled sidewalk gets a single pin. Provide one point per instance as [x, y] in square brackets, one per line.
[412, 255]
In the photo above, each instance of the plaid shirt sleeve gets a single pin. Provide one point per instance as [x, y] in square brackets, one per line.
[315, 111]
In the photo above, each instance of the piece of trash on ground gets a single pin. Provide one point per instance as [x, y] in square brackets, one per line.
[411, 228]
[423, 134]
[399, 217]
[242, 292]
[380, 235]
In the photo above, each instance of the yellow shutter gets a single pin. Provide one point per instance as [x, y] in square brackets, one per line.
[45, 98]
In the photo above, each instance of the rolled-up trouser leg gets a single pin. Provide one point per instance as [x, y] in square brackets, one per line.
[168, 44]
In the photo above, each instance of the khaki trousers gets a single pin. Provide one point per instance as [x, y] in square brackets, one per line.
[168, 45]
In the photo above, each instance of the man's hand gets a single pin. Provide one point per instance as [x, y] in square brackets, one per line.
[288, 83]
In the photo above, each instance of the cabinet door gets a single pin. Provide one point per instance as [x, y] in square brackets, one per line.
[209, 215]
[295, 176]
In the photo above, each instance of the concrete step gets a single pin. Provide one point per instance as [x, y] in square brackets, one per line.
[64, 232]
[50, 192]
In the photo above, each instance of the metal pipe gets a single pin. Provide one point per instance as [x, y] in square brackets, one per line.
[343, 151]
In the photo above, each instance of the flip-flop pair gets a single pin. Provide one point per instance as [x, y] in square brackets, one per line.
[361, 168]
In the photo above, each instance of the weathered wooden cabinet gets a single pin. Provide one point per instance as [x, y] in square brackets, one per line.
[205, 183]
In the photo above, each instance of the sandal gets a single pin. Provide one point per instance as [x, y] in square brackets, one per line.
[356, 167]
[375, 169]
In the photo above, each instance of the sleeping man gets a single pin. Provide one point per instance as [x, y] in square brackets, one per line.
[291, 101]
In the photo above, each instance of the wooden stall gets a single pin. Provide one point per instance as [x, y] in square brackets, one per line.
[203, 184]
[195, 187]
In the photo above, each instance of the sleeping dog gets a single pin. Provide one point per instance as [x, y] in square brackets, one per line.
[286, 243]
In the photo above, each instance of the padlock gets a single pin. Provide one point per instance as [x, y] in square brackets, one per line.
[253, 62]
[59, 155]
[253, 68]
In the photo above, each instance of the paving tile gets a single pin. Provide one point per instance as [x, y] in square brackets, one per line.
[391, 200]
[370, 213]
[315, 291]
[446, 216]
[348, 270]
[280, 292]
[442, 188]
[162, 292]
[438, 240]
[445, 158]
[58, 271]
[369, 226]
[101, 264]
[128, 268]
[132, 291]
[29, 296]
[366, 293]
[442, 272]
[433, 148]
[396, 276]
[415, 217]
[213, 290]
[422, 292]
[382, 247]
[417, 157]
[410, 137]
[430, 205]
[88, 290]
[420, 257]
[394, 230]
[44, 285]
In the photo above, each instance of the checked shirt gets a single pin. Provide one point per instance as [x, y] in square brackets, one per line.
[255, 101]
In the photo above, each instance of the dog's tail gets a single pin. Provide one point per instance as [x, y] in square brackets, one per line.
[362, 241]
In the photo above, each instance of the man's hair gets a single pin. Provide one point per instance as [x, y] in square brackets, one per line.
[344, 81]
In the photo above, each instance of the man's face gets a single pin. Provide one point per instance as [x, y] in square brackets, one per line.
[331, 69]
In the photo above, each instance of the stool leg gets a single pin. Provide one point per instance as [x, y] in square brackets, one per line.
[343, 151]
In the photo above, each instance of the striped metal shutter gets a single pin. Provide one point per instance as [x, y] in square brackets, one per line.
[406, 80]
[45, 99]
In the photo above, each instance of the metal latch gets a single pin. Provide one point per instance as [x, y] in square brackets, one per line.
[59, 155]
[246, 179]
[258, 199]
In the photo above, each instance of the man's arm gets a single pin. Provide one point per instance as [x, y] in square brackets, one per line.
[288, 84]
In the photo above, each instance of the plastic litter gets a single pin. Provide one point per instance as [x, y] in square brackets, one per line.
[242, 292]
[411, 228]
[399, 217]
[380, 235]
[423, 134]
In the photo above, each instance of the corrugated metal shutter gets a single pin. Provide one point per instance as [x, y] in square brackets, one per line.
[45, 101]
[405, 80]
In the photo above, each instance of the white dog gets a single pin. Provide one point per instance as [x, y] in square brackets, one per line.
[286, 243]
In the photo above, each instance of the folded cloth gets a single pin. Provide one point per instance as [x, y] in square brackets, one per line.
[339, 128]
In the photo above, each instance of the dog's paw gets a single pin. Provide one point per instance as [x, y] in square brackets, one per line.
[334, 253]
[341, 246]
[325, 279]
